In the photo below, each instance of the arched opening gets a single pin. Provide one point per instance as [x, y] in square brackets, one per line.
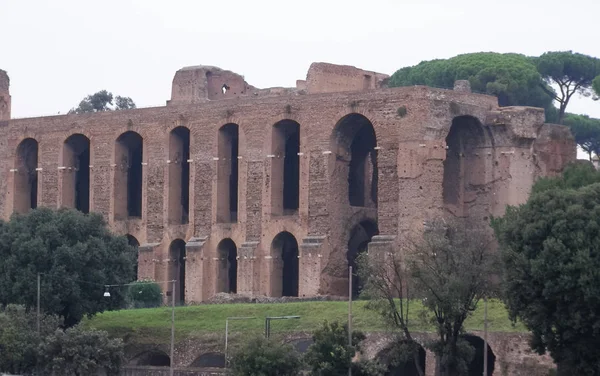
[209, 360]
[359, 240]
[76, 173]
[132, 241]
[227, 253]
[355, 143]
[286, 272]
[401, 364]
[26, 176]
[476, 365]
[227, 173]
[179, 175]
[128, 175]
[151, 358]
[465, 164]
[177, 270]
[285, 168]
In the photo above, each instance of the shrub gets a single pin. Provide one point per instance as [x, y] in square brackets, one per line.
[144, 294]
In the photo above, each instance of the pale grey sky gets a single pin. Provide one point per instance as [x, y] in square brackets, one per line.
[56, 52]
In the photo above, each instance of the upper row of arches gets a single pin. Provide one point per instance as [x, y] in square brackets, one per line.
[353, 142]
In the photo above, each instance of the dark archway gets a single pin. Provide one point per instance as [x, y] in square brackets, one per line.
[476, 365]
[465, 164]
[285, 276]
[76, 173]
[285, 167]
[179, 175]
[227, 173]
[209, 360]
[360, 237]
[177, 270]
[355, 145]
[129, 150]
[398, 364]
[151, 358]
[132, 241]
[26, 176]
[227, 274]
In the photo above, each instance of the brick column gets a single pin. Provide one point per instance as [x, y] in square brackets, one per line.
[318, 192]
[195, 286]
[48, 173]
[146, 261]
[202, 202]
[254, 200]
[388, 192]
[311, 256]
[154, 182]
[248, 268]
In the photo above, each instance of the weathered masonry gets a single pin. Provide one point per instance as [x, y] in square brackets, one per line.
[230, 188]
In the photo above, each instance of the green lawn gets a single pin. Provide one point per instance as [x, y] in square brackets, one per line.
[154, 325]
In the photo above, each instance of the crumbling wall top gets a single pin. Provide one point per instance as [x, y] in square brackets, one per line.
[4, 81]
[330, 78]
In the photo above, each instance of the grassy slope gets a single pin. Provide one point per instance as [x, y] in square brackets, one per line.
[153, 325]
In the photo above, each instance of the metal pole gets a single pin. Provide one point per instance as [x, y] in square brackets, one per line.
[350, 314]
[226, 331]
[38, 303]
[172, 329]
[485, 328]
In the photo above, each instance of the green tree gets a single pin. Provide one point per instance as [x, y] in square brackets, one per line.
[550, 248]
[144, 294]
[81, 352]
[596, 86]
[261, 357]
[451, 268]
[586, 131]
[576, 175]
[76, 255]
[102, 101]
[572, 72]
[513, 78]
[19, 339]
[330, 354]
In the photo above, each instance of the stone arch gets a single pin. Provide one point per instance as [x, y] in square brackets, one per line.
[209, 360]
[227, 269]
[476, 365]
[179, 175]
[401, 367]
[129, 150]
[26, 176]
[466, 164]
[154, 358]
[360, 237]
[177, 269]
[76, 173]
[132, 241]
[356, 174]
[285, 274]
[285, 167]
[227, 173]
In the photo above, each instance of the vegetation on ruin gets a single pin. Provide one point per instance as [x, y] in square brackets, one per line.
[75, 254]
[551, 252]
[103, 101]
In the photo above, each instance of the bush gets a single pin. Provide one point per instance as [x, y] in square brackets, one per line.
[144, 294]
[265, 358]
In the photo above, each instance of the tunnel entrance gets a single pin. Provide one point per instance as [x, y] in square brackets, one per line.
[179, 175]
[26, 176]
[128, 175]
[227, 276]
[285, 168]
[76, 175]
[354, 142]
[151, 358]
[177, 272]
[227, 173]
[286, 272]
[400, 364]
[476, 365]
[209, 360]
[360, 237]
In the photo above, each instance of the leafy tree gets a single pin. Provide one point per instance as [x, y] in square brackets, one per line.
[550, 248]
[368, 368]
[513, 78]
[19, 339]
[76, 255]
[572, 72]
[596, 86]
[451, 268]
[576, 175]
[81, 352]
[144, 294]
[330, 354]
[261, 357]
[586, 131]
[102, 101]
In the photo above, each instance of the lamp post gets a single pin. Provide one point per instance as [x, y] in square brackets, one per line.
[268, 323]
[485, 330]
[350, 313]
[227, 331]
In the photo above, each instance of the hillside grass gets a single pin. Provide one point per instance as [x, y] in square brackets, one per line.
[208, 320]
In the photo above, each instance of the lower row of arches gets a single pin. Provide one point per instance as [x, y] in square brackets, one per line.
[159, 358]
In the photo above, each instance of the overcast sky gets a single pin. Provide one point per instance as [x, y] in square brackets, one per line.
[56, 52]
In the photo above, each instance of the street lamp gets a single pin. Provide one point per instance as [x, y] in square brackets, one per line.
[268, 323]
[227, 330]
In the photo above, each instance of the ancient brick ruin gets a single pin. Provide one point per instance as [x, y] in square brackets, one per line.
[230, 188]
